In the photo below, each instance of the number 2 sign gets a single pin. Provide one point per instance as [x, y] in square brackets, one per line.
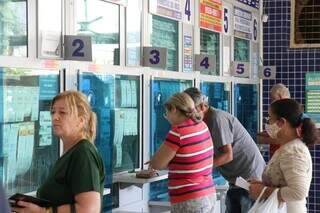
[77, 48]
[155, 57]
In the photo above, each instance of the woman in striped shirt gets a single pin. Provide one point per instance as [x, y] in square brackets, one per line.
[188, 154]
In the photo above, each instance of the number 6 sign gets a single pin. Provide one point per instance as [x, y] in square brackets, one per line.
[77, 48]
[155, 57]
[267, 72]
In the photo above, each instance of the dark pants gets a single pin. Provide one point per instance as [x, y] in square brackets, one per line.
[237, 200]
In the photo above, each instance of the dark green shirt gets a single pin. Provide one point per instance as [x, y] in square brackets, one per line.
[79, 170]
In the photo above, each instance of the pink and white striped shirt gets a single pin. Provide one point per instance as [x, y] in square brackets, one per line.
[190, 171]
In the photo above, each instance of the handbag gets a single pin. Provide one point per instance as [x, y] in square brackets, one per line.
[270, 205]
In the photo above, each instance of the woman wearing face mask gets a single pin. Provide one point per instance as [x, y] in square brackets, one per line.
[188, 154]
[290, 168]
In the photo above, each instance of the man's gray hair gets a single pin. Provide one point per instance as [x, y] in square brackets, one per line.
[280, 89]
[196, 96]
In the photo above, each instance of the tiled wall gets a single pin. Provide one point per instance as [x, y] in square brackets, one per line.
[292, 65]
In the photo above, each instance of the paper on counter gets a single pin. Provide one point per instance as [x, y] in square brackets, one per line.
[242, 183]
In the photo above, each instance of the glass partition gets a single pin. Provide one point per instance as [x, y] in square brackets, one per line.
[161, 90]
[13, 28]
[101, 21]
[115, 99]
[165, 33]
[133, 26]
[49, 29]
[218, 94]
[246, 107]
[210, 44]
[241, 50]
[28, 149]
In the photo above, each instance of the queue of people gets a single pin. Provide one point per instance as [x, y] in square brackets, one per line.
[201, 139]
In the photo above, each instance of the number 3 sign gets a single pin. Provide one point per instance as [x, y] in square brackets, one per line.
[77, 48]
[155, 57]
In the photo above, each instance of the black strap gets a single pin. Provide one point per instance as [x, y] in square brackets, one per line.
[54, 209]
[73, 208]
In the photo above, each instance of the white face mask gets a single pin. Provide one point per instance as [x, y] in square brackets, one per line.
[272, 130]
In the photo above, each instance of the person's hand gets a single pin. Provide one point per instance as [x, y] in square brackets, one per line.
[255, 190]
[263, 134]
[251, 181]
[27, 207]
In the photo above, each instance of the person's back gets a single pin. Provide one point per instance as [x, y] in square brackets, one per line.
[247, 160]
[4, 208]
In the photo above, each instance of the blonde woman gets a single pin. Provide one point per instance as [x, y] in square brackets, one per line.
[75, 184]
[188, 154]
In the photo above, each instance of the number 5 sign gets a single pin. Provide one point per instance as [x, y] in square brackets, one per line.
[77, 48]
[155, 57]
[267, 72]
[240, 69]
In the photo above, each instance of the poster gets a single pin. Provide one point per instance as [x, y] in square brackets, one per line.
[251, 3]
[211, 15]
[242, 23]
[187, 48]
[167, 8]
[313, 96]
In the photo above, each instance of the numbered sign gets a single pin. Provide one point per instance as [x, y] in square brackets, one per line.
[205, 62]
[226, 20]
[255, 32]
[188, 11]
[155, 57]
[77, 48]
[267, 72]
[240, 69]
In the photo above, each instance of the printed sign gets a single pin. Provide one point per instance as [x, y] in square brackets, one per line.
[167, 8]
[267, 72]
[77, 48]
[187, 48]
[211, 15]
[240, 69]
[204, 62]
[242, 23]
[251, 3]
[155, 57]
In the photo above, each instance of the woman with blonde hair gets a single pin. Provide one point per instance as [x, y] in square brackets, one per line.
[75, 183]
[187, 152]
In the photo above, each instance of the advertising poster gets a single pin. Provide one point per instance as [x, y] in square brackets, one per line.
[167, 8]
[242, 23]
[211, 15]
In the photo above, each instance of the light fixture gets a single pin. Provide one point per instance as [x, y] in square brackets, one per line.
[264, 18]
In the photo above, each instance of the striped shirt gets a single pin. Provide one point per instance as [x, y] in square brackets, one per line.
[190, 171]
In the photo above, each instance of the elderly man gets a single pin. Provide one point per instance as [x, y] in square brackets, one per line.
[235, 152]
[277, 92]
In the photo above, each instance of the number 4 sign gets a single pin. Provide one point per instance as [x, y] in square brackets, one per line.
[204, 62]
[77, 48]
[267, 72]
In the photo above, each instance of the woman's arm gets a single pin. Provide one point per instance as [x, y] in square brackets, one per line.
[86, 202]
[162, 157]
